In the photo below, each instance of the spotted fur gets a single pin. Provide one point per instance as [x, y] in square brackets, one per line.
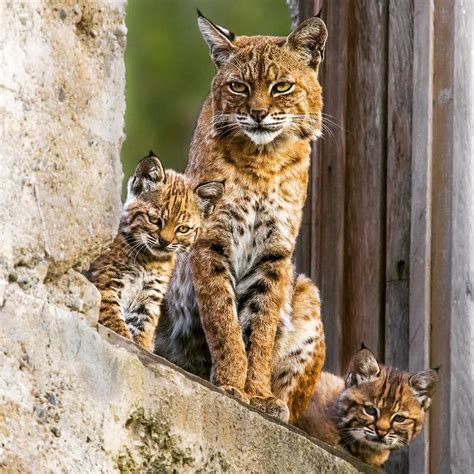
[162, 216]
[374, 411]
[235, 311]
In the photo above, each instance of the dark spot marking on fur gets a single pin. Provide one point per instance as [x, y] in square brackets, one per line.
[296, 352]
[111, 302]
[272, 257]
[254, 307]
[218, 248]
[308, 341]
[238, 217]
[117, 283]
[218, 268]
[272, 275]
[258, 288]
[283, 375]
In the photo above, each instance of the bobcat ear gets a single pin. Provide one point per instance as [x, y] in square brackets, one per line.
[148, 176]
[218, 39]
[209, 194]
[423, 385]
[363, 367]
[309, 40]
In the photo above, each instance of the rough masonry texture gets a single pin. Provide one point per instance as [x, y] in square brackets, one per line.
[72, 398]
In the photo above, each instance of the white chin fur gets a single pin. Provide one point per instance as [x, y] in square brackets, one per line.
[262, 138]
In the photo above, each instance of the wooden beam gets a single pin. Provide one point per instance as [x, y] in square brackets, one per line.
[398, 194]
[452, 308]
[420, 234]
[364, 229]
[329, 183]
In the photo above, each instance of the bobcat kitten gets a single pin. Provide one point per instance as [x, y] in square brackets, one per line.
[373, 411]
[162, 216]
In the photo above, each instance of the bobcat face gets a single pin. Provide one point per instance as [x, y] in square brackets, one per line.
[266, 87]
[163, 213]
[383, 407]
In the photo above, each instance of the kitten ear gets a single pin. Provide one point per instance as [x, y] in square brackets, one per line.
[209, 194]
[363, 367]
[423, 385]
[148, 176]
[218, 39]
[309, 40]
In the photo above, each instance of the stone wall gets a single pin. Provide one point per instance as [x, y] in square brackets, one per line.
[74, 399]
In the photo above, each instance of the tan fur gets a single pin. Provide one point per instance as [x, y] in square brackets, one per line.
[336, 413]
[242, 267]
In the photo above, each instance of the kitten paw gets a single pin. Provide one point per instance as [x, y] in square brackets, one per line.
[272, 406]
[235, 392]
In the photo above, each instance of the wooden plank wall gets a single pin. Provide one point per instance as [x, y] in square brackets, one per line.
[386, 228]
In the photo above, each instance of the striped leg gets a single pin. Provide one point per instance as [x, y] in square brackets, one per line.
[110, 314]
[300, 350]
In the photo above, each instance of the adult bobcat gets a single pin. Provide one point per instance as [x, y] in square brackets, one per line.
[265, 341]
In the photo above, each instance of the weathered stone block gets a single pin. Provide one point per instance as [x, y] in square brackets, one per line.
[62, 114]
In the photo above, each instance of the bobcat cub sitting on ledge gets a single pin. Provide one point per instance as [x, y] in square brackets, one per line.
[162, 216]
[373, 411]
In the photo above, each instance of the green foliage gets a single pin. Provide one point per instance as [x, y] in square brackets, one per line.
[169, 70]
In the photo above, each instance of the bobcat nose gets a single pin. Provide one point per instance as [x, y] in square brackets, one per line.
[258, 114]
[163, 242]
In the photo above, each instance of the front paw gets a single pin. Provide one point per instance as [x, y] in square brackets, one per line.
[237, 393]
[272, 406]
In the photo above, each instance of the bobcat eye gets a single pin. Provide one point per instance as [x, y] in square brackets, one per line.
[399, 418]
[370, 410]
[282, 87]
[156, 220]
[238, 87]
[183, 229]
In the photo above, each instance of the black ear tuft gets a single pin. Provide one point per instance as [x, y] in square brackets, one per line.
[149, 175]
[363, 367]
[218, 39]
[208, 194]
[362, 346]
[151, 153]
[308, 39]
[318, 15]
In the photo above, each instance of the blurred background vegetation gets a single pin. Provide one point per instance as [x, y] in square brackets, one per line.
[169, 70]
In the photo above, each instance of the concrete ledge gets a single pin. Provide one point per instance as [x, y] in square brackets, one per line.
[217, 431]
[74, 399]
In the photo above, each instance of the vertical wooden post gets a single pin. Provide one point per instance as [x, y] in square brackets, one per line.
[329, 183]
[420, 222]
[452, 308]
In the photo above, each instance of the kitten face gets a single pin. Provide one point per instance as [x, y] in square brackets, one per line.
[164, 223]
[267, 87]
[162, 212]
[382, 407]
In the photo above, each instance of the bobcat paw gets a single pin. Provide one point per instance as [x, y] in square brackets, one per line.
[272, 406]
[235, 392]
